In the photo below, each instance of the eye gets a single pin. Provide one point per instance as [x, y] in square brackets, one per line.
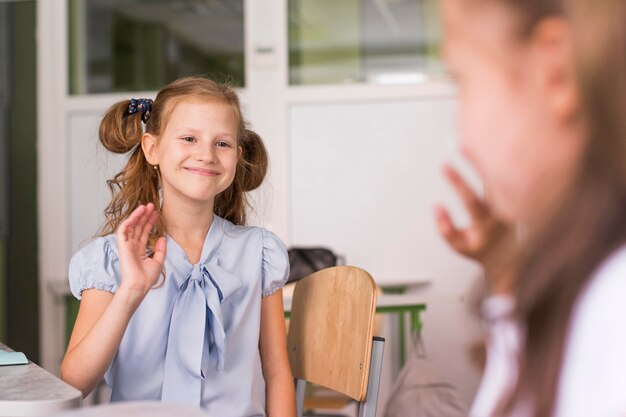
[223, 144]
[188, 139]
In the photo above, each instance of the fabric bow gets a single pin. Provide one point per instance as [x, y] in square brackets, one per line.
[196, 332]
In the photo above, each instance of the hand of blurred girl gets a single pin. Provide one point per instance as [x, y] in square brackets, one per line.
[486, 239]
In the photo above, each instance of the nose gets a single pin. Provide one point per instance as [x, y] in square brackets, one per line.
[206, 153]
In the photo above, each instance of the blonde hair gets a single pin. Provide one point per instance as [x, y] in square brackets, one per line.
[138, 183]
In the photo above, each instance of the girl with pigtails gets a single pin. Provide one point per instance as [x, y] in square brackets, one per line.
[180, 300]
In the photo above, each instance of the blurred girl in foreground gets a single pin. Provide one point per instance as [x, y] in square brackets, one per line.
[542, 87]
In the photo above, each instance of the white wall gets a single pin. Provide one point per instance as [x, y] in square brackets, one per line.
[364, 180]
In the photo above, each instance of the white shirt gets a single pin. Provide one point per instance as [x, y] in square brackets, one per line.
[593, 375]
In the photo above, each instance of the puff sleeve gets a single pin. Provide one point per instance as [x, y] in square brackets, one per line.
[95, 266]
[275, 264]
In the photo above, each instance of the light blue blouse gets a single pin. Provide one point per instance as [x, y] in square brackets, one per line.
[239, 265]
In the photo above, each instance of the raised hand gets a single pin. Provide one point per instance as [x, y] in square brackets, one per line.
[487, 239]
[139, 272]
[103, 317]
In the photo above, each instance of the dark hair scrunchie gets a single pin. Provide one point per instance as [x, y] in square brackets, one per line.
[143, 105]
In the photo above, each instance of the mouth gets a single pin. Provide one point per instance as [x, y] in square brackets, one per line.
[202, 171]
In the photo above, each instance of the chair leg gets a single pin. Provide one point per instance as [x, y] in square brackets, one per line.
[300, 390]
[368, 408]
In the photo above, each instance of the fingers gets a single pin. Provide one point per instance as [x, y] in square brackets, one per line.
[454, 236]
[139, 224]
[126, 229]
[160, 249]
[444, 223]
[145, 225]
[474, 204]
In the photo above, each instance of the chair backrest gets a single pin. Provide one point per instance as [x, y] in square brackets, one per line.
[330, 335]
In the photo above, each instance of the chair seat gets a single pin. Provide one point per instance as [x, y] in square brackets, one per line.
[318, 397]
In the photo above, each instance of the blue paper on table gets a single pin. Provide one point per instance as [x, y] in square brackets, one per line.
[12, 358]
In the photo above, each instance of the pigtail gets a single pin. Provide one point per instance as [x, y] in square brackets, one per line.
[251, 170]
[119, 131]
[138, 182]
[254, 160]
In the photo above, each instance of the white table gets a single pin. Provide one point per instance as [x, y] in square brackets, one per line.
[28, 390]
[136, 409]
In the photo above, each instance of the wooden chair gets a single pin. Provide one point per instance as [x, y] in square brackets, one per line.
[330, 341]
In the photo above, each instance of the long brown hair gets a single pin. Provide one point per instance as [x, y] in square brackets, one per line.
[558, 260]
[138, 182]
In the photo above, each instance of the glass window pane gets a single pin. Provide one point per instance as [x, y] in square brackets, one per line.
[133, 45]
[377, 41]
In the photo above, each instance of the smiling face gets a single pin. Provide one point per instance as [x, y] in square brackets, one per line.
[516, 106]
[196, 153]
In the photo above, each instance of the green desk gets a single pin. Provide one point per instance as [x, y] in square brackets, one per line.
[400, 304]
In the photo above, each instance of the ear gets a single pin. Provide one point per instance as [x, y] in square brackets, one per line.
[149, 145]
[552, 42]
[239, 152]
